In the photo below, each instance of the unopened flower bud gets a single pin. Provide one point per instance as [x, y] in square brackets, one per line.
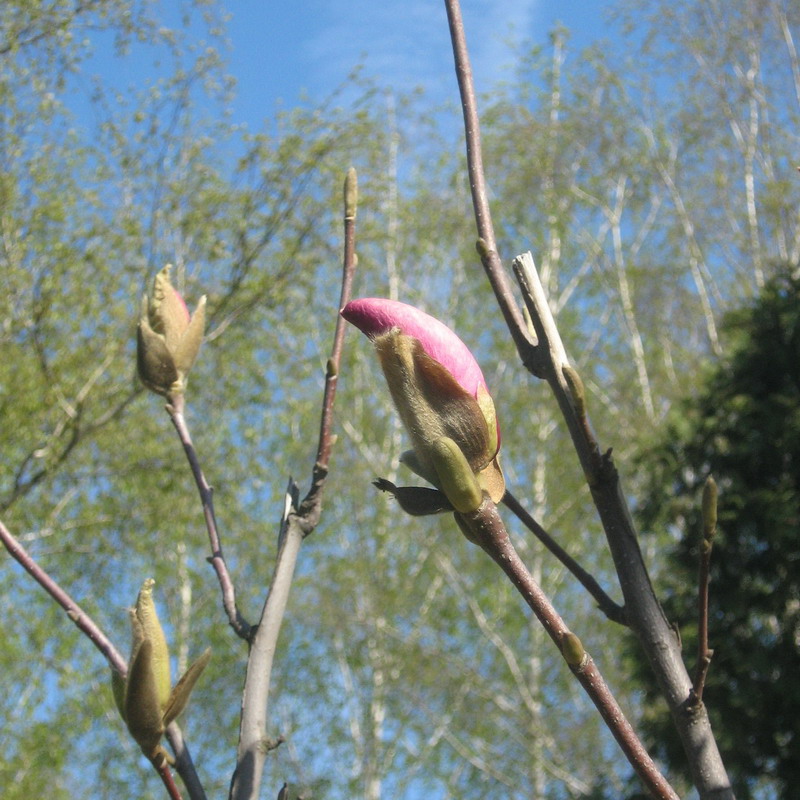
[147, 628]
[168, 337]
[440, 394]
[145, 698]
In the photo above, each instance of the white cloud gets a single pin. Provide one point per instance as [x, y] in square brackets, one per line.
[406, 44]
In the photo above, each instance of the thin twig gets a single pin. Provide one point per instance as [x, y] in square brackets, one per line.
[115, 659]
[485, 527]
[614, 611]
[709, 530]
[487, 245]
[310, 507]
[175, 409]
[162, 768]
[298, 520]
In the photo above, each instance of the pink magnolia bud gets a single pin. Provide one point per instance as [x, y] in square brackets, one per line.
[168, 337]
[373, 316]
[438, 389]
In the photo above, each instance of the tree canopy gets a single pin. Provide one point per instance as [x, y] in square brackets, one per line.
[655, 186]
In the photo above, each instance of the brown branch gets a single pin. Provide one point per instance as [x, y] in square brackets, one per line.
[242, 628]
[644, 613]
[547, 359]
[485, 528]
[309, 509]
[116, 661]
[614, 611]
[162, 768]
[298, 520]
[487, 245]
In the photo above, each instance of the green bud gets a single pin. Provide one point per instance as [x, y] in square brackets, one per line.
[572, 649]
[146, 700]
[483, 249]
[143, 713]
[576, 390]
[168, 338]
[709, 508]
[154, 363]
[455, 475]
[351, 194]
[152, 632]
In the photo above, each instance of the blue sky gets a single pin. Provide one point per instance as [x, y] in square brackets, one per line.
[281, 48]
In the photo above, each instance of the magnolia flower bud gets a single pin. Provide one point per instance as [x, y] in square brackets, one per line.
[441, 396]
[168, 337]
[146, 699]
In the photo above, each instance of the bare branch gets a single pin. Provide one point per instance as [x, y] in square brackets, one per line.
[644, 613]
[116, 661]
[487, 245]
[217, 560]
[614, 611]
[486, 529]
[297, 521]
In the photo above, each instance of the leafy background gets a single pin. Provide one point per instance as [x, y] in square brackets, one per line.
[655, 183]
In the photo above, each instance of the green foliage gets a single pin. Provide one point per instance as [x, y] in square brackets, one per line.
[742, 426]
[406, 665]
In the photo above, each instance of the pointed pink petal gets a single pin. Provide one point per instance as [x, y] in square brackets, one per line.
[373, 316]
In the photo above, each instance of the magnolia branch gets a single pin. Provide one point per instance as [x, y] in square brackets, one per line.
[614, 611]
[183, 759]
[298, 520]
[547, 359]
[487, 246]
[175, 409]
[485, 528]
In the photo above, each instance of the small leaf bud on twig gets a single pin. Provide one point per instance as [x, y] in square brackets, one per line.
[709, 508]
[351, 194]
[572, 650]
